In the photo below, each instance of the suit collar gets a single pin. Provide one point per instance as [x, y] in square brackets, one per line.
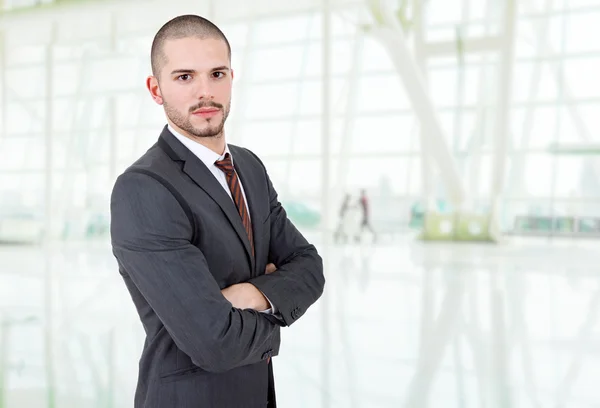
[201, 175]
[207, 156]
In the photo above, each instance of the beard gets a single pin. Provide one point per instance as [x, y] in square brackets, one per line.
[184, 123]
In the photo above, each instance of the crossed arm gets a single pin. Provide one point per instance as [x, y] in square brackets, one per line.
[246, 295]
[172, 276]
[294, 282]
[228, 332]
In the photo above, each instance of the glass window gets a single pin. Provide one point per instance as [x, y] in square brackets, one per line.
[266, 137]
[13, 152]
[271, 100]
[25, 117]
[125, 72]
[375, 56]
[535, 81]
[276, 63]
[26, 83]
[534, 128]
[581, 28]
[443, 11]
[589, 115]
[288, 29]
[381, 92]
[569, 177]
[393, 133]
[538, 175]
[443, 86]
[310, 92]
[368, 173]
[581, 76]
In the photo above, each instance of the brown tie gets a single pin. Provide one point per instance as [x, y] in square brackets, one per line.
[226, 165]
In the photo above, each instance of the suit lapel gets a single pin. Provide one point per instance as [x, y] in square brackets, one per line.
[202, 176]
[251, 184]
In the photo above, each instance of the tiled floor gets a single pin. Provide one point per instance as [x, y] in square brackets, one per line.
[402, 324]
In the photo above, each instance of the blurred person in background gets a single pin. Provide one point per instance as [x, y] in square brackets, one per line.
[365, 223]
[213, 265]
[341, 232]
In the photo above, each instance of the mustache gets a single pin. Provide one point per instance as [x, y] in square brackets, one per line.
[209, 104]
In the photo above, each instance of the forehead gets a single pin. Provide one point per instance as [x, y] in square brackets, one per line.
[195, 53]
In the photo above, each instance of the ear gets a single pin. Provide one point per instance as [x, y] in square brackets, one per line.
[154, 89]
[232, 73]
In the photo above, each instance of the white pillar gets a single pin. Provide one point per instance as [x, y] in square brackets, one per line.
[48, 130]
[49, 177]
[426, 162]
[349, 120]
[325, 191]
[112, 110]
[4, 100]
[504, 98]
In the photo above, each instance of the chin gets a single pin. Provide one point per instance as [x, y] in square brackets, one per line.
[207, 132]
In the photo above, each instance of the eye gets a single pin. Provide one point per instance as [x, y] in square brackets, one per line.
[184, 77]
[218, 74]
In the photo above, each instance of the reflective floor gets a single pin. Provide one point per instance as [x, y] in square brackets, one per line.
[402, 324]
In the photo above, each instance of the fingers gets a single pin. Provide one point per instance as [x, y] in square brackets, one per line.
[270, 268]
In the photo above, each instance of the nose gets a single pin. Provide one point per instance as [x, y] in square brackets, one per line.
[204, 90]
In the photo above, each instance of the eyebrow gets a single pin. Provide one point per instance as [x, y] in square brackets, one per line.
[193, 71]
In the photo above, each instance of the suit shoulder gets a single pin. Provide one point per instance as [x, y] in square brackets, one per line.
[246, 153]
[154, 161]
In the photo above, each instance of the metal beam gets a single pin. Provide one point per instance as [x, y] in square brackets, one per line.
[420, 58]
[470, 46]
[49, 187]
[516, 177]
[503, 118]
[345, 153]
[392, 37]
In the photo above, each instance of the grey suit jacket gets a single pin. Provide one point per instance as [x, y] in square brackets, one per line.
[178, 240]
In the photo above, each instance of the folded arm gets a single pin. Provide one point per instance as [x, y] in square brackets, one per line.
[298, 281]
[151, 238]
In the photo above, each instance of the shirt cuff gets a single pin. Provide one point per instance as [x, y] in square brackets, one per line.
[272, 309]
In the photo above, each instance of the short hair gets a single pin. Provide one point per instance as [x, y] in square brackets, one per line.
[184, 26]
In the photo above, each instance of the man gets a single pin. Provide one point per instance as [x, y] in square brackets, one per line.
[340, 232]
[195, 223]
[365, 223]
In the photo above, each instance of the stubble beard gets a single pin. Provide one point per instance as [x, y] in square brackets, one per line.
[183, 122]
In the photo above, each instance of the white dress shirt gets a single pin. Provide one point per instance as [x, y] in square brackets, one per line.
[208, 157]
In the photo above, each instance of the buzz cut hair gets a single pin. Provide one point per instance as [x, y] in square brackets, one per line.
[184, 26]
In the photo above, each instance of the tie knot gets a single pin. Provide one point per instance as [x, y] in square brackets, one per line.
[226, 165]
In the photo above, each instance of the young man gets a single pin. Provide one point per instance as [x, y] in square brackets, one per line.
[195, 225]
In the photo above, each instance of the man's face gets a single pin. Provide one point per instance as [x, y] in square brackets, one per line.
[194, 85]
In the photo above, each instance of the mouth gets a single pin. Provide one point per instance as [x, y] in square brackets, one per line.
[206, 112]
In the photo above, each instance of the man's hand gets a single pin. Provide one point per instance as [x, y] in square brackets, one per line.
[246, 296]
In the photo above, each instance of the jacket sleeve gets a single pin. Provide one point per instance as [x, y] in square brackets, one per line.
[151, 239]
[299, 280]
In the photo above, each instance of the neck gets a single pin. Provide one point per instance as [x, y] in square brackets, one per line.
[214, 143]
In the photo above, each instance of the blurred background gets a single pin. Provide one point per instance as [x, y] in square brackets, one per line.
[466, 133]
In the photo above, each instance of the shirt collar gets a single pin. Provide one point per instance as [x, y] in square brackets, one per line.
[207, 156]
